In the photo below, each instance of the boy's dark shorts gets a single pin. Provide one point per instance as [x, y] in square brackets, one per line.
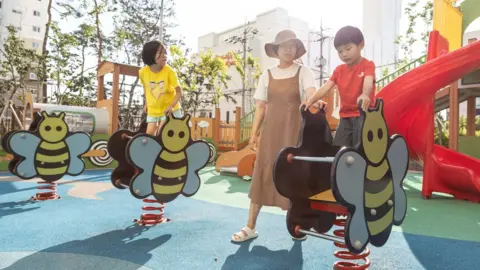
[348, 132]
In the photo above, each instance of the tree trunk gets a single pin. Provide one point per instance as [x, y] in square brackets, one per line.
[99, 33]
[82, 70]
[130, 93]
[44, 51]
[15, 87]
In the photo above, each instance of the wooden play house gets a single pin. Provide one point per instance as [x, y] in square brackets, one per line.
[226, 136]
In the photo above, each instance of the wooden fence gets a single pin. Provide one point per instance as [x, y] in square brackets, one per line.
[226, 136]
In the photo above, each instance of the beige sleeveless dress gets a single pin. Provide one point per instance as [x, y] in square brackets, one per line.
[280, 128]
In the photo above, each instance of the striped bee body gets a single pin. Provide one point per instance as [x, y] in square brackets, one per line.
[52, 160]
[379, 207]
[169, 175]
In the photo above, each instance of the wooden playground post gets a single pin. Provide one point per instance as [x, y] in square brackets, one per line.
[100, 91]
[107, 67]
[238, 116]
[471, 111]
[216, 127]
[453, 117]
[115, 97]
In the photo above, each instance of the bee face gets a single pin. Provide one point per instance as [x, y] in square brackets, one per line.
[53, 128]
[375, 135]
[176, 134]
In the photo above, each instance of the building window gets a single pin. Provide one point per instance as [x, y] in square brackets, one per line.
[0, 4]
[36, 45]
[36, 13]
[36, 29]
[16, 11]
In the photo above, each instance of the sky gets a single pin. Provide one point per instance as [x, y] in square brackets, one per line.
[199, 17]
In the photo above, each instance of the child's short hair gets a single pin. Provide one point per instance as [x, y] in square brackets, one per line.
[346, 35]
[150, 51]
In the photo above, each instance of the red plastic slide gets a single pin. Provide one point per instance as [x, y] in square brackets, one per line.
[409, 111]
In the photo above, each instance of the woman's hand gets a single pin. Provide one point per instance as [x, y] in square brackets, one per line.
[253, 142]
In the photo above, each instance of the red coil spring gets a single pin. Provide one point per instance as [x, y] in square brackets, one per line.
[49, 195]
[152, 219]
[347, 255]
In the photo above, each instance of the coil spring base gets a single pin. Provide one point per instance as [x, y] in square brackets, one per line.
[45, 196]
[152, 219]
[347, 255]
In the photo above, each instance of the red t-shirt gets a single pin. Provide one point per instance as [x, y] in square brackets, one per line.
[349, 81]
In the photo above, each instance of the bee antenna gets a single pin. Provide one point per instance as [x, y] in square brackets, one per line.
[379, 105]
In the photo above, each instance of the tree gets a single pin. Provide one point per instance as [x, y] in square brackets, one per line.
[66, 65]
[136, 23]
[420, 19]
[69, 51]
[16, 62]
[43, 75]
[60, 59]
[252, 66]
[85, 10]
[203, 79]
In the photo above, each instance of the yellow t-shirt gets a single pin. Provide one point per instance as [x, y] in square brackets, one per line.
[159, 89]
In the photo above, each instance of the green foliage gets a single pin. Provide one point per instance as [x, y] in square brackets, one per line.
[66, 58]
[16, 62]
[385, 72]
[202, 78]
[138, 21]
[135, 23]
[75, 84]
[252, 65]
[420, 20]
[442, 127]
[89, 12]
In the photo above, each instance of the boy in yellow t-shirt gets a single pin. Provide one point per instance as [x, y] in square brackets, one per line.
[160, 83]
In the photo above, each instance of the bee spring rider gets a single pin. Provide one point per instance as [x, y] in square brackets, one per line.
[363, 183]
[122, 175]
[165, 166]
[47, 150]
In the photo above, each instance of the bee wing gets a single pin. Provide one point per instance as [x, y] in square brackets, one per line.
[24, 144]
[78, 144]
[142, 151]
[348, 188]
[198, 154]
[398, 160]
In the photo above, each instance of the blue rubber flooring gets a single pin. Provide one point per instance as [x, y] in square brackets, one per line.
[76, 233]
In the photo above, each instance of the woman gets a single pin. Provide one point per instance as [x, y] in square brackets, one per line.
[283, 87]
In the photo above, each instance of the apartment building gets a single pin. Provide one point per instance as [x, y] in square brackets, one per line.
[267, 25]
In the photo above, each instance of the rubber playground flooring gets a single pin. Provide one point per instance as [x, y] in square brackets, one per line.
[91, 227]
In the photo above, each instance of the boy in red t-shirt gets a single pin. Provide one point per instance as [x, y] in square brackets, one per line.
[355, 81]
